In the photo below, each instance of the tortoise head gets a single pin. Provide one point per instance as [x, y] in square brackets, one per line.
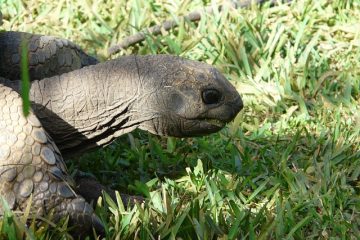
[185, 98]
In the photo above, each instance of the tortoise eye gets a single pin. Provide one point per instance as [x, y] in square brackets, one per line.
[211, 96]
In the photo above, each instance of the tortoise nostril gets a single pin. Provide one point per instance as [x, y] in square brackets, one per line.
[211, 96]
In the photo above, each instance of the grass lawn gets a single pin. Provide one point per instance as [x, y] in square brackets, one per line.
[288, 167]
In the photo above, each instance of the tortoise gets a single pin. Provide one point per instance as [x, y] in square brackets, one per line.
[79, 104]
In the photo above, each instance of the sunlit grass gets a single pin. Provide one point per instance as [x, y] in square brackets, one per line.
[288, 166]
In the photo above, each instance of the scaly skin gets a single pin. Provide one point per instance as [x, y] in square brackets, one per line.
[31, 164]
[48, 56]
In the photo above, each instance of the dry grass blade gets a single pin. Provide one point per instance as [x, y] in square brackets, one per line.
[170, 24]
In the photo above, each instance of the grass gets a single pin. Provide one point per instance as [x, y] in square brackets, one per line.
[287, 168]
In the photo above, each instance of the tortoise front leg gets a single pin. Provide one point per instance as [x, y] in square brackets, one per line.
[31, 165]
[91, 189]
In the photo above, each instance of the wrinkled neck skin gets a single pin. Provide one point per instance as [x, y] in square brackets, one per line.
[92, 106]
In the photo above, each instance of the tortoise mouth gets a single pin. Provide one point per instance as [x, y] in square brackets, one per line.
[201, 127]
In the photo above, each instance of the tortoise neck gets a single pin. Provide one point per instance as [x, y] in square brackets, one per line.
[88, 107]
